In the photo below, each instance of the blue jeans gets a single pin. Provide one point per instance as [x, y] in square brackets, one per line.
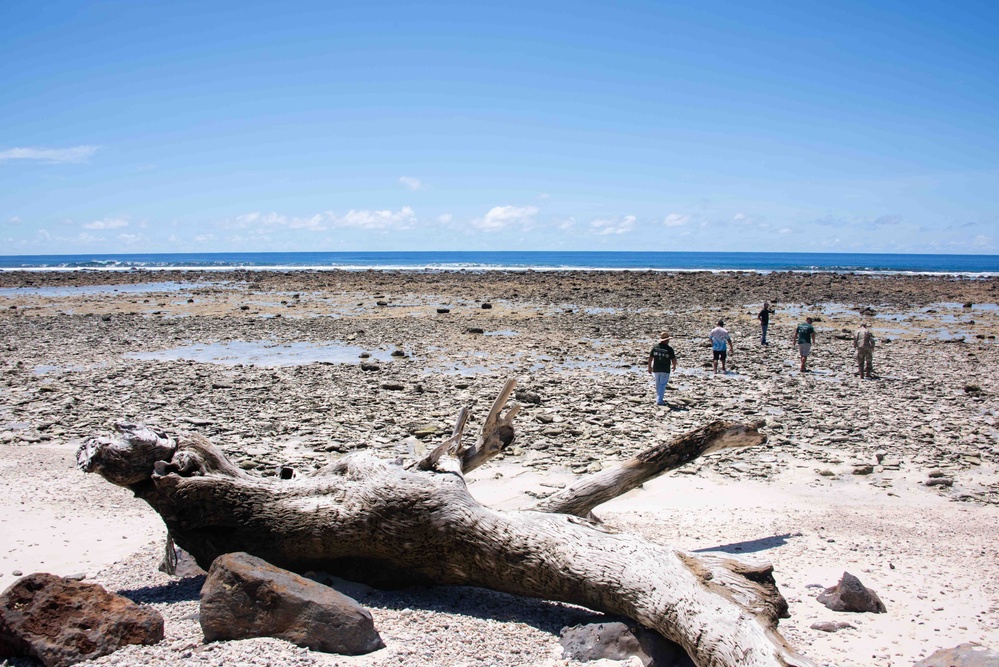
[763, 339]
[661, 380]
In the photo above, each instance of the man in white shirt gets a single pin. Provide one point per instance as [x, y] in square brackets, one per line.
[720, 340]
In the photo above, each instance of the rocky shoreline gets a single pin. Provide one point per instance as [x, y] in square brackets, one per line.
[281, 379]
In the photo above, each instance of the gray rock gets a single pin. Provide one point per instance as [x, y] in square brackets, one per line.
[62, 622]
[962, 655]
[245, 596]
[527, 396]
[831, 626]
[851, 595]
[618, 639]
[181, 565]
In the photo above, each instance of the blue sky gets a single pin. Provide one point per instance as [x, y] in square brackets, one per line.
[761, 126]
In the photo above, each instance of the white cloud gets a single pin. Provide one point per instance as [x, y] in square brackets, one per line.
[107, 223]
[315, 223]
[544, 195]
[982, 242]
[676, 220]
[401, 219]
[258, 222]
[129, 238]
[500, 217]
[445, 218]
[265, 219]
[204, 238]
[50, 155]
[567, 224]
[784, 230]
[13, 220]
[413, 184]
[622, 226]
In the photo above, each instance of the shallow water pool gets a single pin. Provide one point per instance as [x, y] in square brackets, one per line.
[265, 353]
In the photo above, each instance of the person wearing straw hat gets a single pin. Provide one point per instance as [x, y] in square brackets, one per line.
[662, 360]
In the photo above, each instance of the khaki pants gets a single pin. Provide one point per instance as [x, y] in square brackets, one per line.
[865, 361]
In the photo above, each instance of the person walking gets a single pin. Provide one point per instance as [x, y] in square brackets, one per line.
[863, 343]
[662, 360]
[764, 318]
[720, 340]
[804, 337]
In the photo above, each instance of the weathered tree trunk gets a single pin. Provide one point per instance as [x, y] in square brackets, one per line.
[364, 517]
[580, 499]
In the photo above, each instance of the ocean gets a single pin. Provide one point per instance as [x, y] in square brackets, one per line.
[521, 261]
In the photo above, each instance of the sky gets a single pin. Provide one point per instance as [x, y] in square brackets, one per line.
[806, 126]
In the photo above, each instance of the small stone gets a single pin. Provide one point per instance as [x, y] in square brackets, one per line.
[831, 626]
[851, 595]
[528, 396]
[424, 431]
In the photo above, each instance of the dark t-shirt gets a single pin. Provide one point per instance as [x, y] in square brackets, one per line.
[662, 356]
[764, 316]
[805, 331]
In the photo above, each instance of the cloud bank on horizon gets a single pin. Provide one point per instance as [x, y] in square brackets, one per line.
[642, 126]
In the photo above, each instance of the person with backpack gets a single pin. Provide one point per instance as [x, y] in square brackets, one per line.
[863, 343]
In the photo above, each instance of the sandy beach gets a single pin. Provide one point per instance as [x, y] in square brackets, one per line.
[298, 368]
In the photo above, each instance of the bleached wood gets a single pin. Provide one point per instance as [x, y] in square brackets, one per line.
[580, 498]
[369, 518]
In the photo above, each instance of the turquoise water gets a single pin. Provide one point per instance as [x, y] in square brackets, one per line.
[511, 260]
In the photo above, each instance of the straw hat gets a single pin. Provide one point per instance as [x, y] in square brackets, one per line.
[664, 335]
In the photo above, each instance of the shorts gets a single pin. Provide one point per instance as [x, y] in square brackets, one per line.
[804, 348]
[720, 354]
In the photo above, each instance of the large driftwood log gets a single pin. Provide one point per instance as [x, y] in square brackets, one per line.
[365, 517]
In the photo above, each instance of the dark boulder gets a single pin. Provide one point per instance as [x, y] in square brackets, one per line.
[245, 596]
[851, 595]
[62, 622]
